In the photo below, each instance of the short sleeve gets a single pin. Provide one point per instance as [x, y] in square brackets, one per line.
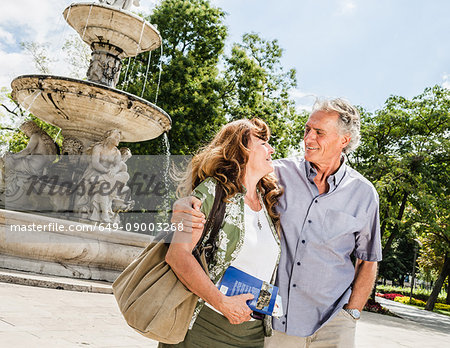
[368, 239]
[206, 192]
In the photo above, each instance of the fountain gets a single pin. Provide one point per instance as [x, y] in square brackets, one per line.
[85, 110]
[93, 117]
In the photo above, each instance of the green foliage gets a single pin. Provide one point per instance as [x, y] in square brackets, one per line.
[39, 52]
[11, 139]
[431, 257]
[78, 56]
[193, 39]
[398, 263]
[256, 85]
[404, 153]
[11, 135]
[197, 95]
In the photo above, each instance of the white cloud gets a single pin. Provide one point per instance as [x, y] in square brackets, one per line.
[346, 7]
[42, 22]
[303, 100]
[446, 81]
[6, 38]
[13, 65]
[146, 6]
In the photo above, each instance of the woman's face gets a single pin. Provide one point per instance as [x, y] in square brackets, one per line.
[260, 157]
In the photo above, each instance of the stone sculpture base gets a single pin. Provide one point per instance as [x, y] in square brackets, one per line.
[105, 64]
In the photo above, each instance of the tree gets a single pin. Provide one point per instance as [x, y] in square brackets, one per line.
[432, 224]
[11, 117]
[256, 85]
[404, 152]
[40, 55]
[398, 263]
[193, 35]
[78, 56]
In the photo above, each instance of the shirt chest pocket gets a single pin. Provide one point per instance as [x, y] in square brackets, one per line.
[338, 224]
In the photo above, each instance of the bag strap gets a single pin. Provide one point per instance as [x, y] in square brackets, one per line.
[213, 223]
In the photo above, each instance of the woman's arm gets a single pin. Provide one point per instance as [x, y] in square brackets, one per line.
[191, 274]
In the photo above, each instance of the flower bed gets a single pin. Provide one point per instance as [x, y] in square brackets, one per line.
[405, 299]
[375, 307]
[420, 294]
[391, 297]
[442, 306]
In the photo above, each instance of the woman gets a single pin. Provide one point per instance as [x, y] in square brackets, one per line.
[239, 159]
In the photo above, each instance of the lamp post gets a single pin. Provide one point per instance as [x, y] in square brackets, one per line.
[414, 269]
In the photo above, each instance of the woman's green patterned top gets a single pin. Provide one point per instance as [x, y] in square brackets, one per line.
[230, 237]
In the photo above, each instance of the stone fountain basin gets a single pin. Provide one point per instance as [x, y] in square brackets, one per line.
[85, 110]
[46, 245]
[96, 22]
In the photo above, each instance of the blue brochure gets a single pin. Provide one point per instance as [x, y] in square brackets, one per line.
[236, 282]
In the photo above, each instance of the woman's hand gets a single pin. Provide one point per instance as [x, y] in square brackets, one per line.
[235, 308]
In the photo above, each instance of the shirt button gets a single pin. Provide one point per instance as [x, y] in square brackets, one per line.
[283, 322]
[303, 241]
[316, 201]
[298, 263]
[294, 285]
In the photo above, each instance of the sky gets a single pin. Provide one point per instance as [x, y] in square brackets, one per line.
[362, 50]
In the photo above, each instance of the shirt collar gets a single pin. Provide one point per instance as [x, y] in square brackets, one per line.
[333, 180]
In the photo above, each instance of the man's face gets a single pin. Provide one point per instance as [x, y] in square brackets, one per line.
[323, 142]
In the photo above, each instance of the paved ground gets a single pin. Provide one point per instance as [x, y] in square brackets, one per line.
[380, 331]
[434, 321]
[44, 317]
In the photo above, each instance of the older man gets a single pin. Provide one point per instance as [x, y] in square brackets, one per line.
[328, 212]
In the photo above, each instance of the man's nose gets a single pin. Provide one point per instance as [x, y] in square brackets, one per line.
[311, 135]
[271, 149]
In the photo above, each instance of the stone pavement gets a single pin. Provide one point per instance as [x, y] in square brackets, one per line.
[44, 317]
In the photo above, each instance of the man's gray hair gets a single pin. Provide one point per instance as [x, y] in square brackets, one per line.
[349, 119]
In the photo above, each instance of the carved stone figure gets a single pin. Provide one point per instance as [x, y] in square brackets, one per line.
[123, 4]
[40, 152]
[101, 178]
[18, 169]
[121, 200]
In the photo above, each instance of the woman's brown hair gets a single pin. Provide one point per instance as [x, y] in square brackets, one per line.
[225, 159]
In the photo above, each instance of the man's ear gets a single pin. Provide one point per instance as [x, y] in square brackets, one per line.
[345, 140]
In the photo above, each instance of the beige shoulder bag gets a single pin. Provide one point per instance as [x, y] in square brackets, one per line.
[151, 298]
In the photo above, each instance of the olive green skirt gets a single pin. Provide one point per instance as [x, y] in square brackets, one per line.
[213, 330]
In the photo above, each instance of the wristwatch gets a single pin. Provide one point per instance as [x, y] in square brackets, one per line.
[353, 312]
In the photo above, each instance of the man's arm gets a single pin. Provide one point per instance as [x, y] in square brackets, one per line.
[365, 273]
